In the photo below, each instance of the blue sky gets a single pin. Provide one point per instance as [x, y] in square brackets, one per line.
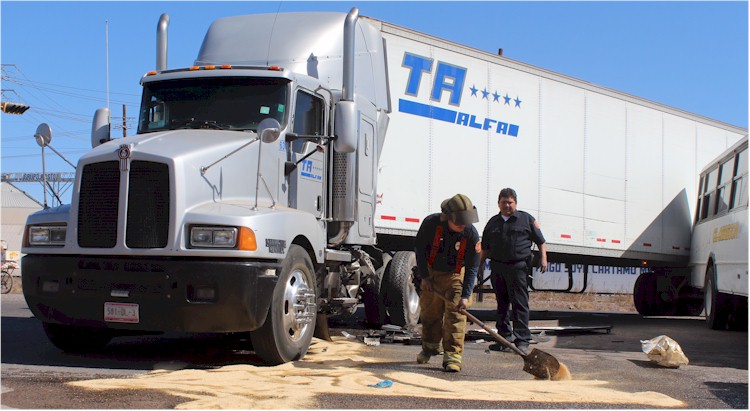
[688, 55]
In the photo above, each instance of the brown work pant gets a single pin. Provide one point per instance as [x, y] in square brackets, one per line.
[441, 322]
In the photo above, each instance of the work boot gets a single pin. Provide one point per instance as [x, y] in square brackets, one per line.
[499, 347]
[523, 347]
[452, 367]
[423, 357]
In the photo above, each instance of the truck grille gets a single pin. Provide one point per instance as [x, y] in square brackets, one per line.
[148, 205]
[98, 205]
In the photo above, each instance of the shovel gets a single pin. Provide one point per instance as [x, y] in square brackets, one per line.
[321, 328]
[538, 363]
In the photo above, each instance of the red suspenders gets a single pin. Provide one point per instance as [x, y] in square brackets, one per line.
[461, 253]
[436, 245]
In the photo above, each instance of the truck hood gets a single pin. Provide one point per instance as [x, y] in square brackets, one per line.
[173, 143]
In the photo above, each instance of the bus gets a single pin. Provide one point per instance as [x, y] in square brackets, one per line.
[719, 245]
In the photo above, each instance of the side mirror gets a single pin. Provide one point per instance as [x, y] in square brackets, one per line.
[269, 130]
[43, 135]
[346, 126]
[100, 127]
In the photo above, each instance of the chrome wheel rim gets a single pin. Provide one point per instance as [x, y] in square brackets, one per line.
[298, 311]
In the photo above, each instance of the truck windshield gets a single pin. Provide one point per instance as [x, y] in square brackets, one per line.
[225, 103]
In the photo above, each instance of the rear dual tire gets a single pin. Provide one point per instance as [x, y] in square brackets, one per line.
[373, 297]
[401, 297]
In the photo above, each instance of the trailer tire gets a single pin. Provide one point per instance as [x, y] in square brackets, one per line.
[716, 303]
[401, 297]
[645, 295]
[77, 339]
[290, 323]
[374, 298]
[690, 307]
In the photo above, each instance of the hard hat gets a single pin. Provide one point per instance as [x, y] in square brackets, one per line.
[459, 209]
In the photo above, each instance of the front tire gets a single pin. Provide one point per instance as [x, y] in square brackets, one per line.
[288, 330]
[401, 296]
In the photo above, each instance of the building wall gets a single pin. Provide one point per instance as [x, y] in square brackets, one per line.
[16, 207]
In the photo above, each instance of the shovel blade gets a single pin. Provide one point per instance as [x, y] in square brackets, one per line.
[321, 328]
[540, 364]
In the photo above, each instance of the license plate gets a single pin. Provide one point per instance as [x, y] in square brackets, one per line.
[121, 313]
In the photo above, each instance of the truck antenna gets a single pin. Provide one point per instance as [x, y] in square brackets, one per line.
[106, 56]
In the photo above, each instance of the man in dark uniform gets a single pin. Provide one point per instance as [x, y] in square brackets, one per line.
[506, 241]
[447, 260]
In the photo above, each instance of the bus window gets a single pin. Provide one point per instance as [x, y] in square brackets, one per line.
[739, 193]
[708, 207]
[700, 197]
[725, 177]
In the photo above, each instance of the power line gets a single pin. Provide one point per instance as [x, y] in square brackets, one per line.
[36, 88]
[34, 85]
[77, 88]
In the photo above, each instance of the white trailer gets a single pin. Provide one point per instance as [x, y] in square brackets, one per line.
[284, 176]
[611, 177]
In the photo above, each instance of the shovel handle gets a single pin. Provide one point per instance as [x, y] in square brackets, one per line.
[499, 338]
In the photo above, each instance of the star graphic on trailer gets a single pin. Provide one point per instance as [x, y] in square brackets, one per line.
[507, 99]
[473, 90]
[485, 93]
[518, 102]
[496, 96]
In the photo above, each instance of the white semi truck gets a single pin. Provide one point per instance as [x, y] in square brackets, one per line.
[286, 173]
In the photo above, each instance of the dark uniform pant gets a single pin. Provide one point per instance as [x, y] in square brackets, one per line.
[441, 322]
[510, 285]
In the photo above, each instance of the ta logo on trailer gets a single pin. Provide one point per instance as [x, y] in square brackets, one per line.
[449, 79]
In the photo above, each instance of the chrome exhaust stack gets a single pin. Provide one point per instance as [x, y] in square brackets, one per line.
[161, 42]
[346, 130]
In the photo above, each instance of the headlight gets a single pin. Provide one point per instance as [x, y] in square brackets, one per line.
[214, 237]
[239, 238]
[47, 235]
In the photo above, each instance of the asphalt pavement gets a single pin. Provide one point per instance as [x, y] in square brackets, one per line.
[607, 359]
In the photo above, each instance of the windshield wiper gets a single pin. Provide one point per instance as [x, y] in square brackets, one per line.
[199, 124]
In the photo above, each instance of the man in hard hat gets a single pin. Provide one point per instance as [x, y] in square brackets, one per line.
[447, 262]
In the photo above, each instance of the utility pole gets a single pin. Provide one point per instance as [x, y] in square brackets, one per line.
[124, 121]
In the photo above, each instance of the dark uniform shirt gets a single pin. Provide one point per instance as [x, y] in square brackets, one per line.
[510, 241]
[448, 248]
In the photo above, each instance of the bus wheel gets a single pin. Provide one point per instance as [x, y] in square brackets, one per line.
[401, 296]
[288, 330]
[715, 302]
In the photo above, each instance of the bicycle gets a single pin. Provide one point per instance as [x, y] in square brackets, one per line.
[7, 275]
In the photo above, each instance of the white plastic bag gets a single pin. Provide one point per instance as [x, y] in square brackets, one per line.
[664, 351]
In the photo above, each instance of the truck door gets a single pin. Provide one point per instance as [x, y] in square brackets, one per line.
[366, 177]
[306, 181]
